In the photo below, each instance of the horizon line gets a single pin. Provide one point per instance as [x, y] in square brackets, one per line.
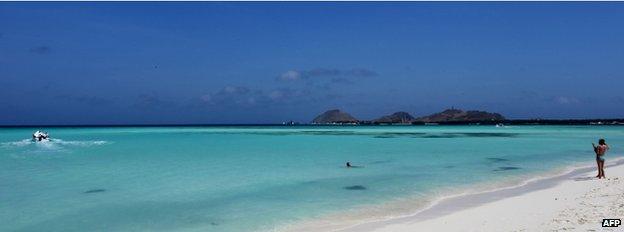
[359, 123]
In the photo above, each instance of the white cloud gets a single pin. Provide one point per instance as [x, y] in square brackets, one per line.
[206, 97]
[293, 75]
[566, 100]
[251, 100]
[290, 76]
[276, 94]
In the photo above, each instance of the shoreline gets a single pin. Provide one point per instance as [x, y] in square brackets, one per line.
[464, 212]
[453, 203]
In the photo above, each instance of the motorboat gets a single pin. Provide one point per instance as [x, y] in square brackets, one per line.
[40, 136]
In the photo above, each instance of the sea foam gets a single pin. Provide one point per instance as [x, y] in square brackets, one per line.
[53, 143]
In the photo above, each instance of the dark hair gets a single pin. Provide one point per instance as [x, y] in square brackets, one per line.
[601, 142]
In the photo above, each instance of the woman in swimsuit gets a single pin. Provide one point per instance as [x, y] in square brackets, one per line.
[600, 150]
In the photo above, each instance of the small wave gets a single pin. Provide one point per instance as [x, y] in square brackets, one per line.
[53, 143]
[20, 143]
[79, 143]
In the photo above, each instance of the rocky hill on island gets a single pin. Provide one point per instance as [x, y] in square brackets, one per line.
[457, 115]
[452, 116]
[398, 117]
[334, 116]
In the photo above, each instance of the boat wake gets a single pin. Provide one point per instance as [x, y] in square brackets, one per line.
[52, 143]
[20, 143]
[80, 143]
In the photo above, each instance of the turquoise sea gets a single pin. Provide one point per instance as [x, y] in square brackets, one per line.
[254, 178]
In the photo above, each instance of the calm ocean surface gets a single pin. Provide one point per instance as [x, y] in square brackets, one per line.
[260, 177]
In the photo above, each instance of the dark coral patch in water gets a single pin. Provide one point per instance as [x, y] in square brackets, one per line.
[497, 159]
[440, 136]
[506, 168]
[355, 187]
[333, 132]
[482, 134]
[95, 191]
[470, 134]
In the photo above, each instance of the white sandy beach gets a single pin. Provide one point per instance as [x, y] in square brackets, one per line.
[576, 202]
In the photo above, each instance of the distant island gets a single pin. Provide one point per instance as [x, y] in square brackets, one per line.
[451, 117]
[335, 117]
[396, 118]
[456, 115]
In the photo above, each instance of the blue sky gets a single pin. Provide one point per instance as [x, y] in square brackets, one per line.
[215, 62]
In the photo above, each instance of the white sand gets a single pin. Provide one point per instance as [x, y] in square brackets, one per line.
[577, 202]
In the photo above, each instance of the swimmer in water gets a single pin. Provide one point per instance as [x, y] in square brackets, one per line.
[348, 165]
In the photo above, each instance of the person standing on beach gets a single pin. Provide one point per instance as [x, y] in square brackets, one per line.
[600, 150]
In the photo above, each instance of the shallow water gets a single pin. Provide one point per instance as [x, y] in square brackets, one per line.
[258, 178]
